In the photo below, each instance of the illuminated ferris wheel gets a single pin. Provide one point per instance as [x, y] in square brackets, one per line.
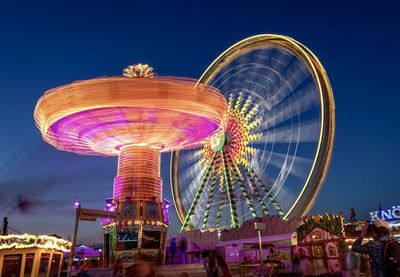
[272, 154]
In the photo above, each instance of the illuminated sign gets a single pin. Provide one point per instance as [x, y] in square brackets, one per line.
[90, 213]
[390, 215]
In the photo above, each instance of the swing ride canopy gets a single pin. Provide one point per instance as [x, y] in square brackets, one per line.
[100, 116]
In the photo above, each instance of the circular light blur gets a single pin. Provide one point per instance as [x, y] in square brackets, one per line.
[100, 116]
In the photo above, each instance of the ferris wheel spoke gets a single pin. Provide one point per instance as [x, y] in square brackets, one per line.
[246, 105]
[192, 177]
[307, 132]
[271, 198]
[249, 203]
[238, 101]
[209, 201]
[285, 79]
[252, 112]
[191, 174]
[222, 203]
[303, 102]
[257, 194]
[192, 156]
[231, 194]
[295, 162]
[196, 221]
[238, 178]
[190, 189]
[238, 195]
[270, 89]
[198, 194]
[227, 76]
[238, 75]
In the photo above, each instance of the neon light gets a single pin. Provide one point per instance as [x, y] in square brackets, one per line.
[231, 195]
[390, 215]
[99, 116]
[198, 194]
[76, 203]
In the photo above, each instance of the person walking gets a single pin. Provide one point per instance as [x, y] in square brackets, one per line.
[172, 249]
[384, 254]
[353, 263]
[183, 248]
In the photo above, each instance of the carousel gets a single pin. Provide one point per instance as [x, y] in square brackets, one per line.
[30, 255]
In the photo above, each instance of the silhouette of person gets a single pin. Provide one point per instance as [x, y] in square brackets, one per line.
[183, 248]
[172, 249]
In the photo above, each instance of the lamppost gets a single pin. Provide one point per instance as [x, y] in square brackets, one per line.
[260, 226]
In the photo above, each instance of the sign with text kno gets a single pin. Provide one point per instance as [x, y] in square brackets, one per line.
[92, 215]
[390, 215]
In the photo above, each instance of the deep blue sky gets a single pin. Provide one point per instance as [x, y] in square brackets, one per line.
[46, 44]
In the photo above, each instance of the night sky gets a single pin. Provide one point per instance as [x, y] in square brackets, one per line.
[47, 44]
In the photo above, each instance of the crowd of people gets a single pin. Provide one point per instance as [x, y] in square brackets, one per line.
[214, 265]
[182, 244]
[383, 252]
[144, 266]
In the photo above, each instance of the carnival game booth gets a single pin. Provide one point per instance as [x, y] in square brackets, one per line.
[320, 245]
[31, 256]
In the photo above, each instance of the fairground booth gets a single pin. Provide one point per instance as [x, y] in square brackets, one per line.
[320, 245]
[241, 248]
[313, 245]
[140, 228]
[31, 256]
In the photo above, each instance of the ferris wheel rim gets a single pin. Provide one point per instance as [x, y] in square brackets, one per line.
[318, 172]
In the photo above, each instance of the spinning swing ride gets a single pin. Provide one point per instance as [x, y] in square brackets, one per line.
[272, 153]
[135, 117]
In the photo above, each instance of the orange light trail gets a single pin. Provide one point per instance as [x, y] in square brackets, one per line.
[99, 116]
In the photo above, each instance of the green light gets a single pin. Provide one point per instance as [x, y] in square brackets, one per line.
[217, 142]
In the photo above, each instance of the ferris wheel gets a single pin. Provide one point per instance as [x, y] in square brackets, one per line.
[273, 151]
